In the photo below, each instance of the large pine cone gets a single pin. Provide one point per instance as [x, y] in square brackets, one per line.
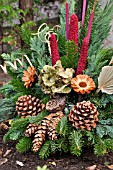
[84, 115]
[28, 106]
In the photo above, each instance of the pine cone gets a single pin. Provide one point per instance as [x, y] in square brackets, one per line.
[29, 76]
[53, 124]
[39, 137]
[84, 115]
[28, 106]
[48, 125]
[56, 104]
[31, 128]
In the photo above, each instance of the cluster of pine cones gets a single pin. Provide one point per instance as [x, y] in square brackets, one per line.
[47, 127]
[83, 116]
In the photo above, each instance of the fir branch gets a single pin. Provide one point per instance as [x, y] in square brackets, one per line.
[7, 109]
[39, 118]
[19, 87]
[61, 44]
[109, 144]
[101, 27]
[100, 147]
[45, 150]
[71, 59]
[83, 31]
[24, 145]
[17, 129]
[25, 31]
[7, 90]
[53, 146]
[12, 134]
[90, 136]
[62, 144]
[62, 126]
[99, 60]
[105, 128]
[75, 140]
[20, 123]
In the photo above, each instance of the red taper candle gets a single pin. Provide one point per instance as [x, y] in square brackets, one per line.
[83, 12]
[54, 49]
[73, 31]
[67, 20]
[91, 21]
[83, 56]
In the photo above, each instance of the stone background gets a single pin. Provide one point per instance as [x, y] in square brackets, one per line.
[109, 40]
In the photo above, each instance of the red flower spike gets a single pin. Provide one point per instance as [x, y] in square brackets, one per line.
[83, 56]
[54, 49]
[73, 31]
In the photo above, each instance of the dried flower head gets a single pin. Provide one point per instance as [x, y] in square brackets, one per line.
[29, 76]
[82, 84]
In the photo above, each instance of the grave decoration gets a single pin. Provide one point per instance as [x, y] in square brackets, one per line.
[60, 96]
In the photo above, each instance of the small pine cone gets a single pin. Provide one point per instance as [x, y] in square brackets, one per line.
[52, 131]
[53, 124]
[28, 106]
[31, 128]
[29, 76]
[39, 137]
[56, 104]
[84, 115]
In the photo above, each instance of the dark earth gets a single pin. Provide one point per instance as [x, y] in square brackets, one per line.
[87, 161]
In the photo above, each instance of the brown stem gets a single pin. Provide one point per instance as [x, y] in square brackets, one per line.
[79, 97]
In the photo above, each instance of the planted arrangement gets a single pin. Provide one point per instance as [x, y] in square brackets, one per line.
[60, 95]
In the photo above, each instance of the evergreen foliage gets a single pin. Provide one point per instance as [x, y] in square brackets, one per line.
[67, 61]
[38, 58]
[45, 150]
[25, 31]
[7, 109]
[62, 16]
[24, 144]
[17, 129]
[101, 27]
[83, 31]
[105, 128]
[75, 140]
[99, 60]
[102, 146]
[39, 118]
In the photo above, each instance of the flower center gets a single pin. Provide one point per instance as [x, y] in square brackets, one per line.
[82, 84]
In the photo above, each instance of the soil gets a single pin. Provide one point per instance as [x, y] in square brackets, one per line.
[31, 160]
